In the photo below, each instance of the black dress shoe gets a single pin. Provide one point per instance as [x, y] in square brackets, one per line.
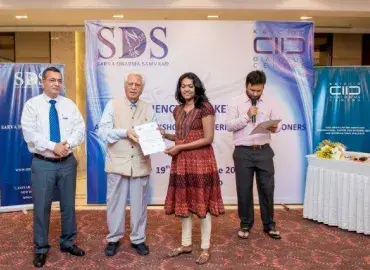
[73, 250]
[111, 248]
[141, 248]
[39, 260]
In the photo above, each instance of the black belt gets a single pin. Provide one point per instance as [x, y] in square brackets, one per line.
[254, 147]
[55, 160]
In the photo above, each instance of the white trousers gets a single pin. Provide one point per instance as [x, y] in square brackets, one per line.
[205, 229]
[118, 187]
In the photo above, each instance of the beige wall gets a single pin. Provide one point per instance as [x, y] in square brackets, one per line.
[32, 47]
[347, 50]
[7, 52]
[63, 52]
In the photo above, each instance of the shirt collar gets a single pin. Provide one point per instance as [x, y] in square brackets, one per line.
[247, 99]
[47, 99]
[132, 105]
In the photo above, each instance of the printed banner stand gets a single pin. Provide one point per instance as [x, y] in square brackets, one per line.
[19, 82]
[223, 54]
[342, 106]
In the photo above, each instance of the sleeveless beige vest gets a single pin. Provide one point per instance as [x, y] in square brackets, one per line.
[125, 157]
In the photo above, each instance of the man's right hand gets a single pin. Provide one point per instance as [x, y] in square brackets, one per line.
[61, 149]
[253, 110]
[131, 135]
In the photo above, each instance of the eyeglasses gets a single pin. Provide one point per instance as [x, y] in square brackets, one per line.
[54, 81]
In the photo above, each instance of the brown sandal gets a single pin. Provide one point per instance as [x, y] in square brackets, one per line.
[203, 257]
[274, 234]
[180, 250]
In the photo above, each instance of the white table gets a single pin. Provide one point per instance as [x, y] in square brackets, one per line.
[338, 193]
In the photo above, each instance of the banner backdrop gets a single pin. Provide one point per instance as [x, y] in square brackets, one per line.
[342, 106]
[18, 83]
[221, 54]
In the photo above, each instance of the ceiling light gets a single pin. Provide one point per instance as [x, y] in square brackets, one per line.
[306, 18]
[118, 16]
[20, 17]
[212, 16]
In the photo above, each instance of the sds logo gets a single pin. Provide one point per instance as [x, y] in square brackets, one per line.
[27, 79]
[131, 42]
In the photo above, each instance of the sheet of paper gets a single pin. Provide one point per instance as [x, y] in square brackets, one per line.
[262, 128]
[150, 138]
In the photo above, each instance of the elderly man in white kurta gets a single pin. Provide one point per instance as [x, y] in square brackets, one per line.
[127, 168]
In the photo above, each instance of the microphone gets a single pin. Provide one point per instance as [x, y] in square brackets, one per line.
[254, 103]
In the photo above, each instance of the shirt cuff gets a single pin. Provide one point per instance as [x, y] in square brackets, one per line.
[122, 133]
[51, 145]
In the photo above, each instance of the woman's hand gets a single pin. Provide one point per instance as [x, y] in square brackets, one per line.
[163, 132]
[173, 151]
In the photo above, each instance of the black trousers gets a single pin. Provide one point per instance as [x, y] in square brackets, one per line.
[45, 175]
[248, 161]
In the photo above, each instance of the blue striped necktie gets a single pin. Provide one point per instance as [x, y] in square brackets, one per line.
[54, 123]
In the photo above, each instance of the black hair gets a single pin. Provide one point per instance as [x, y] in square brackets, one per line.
[53, 69]
[256, 77]
[200, 95]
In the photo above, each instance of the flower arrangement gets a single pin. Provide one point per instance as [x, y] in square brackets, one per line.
[330, 150]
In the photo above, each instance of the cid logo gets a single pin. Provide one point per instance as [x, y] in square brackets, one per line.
[131, 42]
[279, 45]
[344, 90]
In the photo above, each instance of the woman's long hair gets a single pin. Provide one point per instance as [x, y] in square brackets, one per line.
[200, 95]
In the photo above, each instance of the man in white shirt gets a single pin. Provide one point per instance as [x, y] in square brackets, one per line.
[52, 127]
[127, 168]
[253, 154]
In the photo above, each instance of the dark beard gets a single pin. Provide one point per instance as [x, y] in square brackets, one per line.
[253, 98]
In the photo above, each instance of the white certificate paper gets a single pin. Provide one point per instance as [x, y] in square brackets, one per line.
[262, 128]
[150, 138]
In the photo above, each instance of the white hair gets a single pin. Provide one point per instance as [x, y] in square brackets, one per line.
[135, 73]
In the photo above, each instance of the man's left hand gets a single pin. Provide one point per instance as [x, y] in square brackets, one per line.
[272, 128]
[131, 135]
